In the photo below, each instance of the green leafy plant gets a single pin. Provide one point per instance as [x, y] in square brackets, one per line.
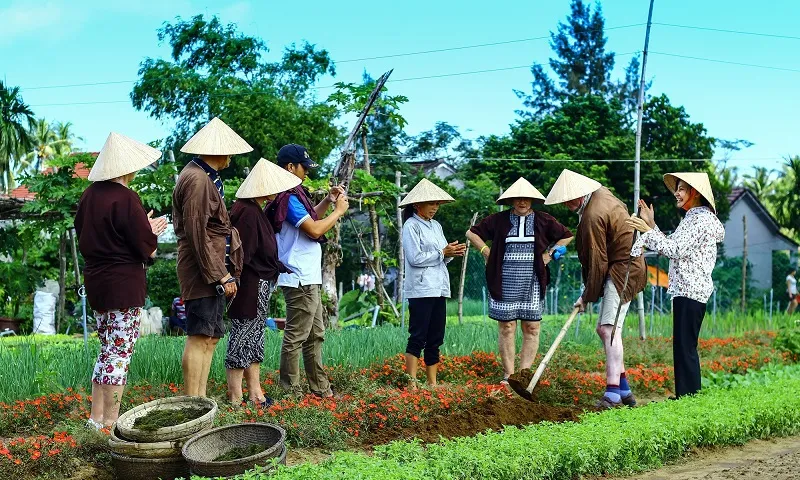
[17, 283]
[162, 284]
[788, 340]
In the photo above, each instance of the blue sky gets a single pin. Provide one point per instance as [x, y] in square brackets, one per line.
[58, 42]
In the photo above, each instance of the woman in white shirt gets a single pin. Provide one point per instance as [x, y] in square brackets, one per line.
[427, 283]
[692, 250]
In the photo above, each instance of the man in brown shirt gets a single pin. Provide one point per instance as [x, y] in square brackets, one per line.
[209, 250]
[603, 243]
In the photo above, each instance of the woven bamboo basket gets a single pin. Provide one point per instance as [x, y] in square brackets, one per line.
[126, 420]
[201, 450]
[122, 446]
[129, 468]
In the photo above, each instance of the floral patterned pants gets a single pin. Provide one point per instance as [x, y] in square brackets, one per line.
[118, 331]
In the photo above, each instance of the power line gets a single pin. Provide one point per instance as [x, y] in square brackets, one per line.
[398, 80]
[723, 30]
[465, 47]
[563, 160]
[78, 85]
[378, 57]
[726, 62]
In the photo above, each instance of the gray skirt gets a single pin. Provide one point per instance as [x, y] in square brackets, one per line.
[246, 336]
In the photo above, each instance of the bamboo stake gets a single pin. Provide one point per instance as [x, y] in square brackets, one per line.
[464, 274]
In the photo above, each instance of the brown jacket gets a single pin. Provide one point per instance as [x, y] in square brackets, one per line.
[202, 224]
[604, 244]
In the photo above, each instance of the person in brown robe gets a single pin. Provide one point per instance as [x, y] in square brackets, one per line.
[209, 248]
[249, 310]
[603, 242]
[116, 239]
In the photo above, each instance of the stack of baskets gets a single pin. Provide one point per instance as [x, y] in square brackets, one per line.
[144, 455]
[203, 449]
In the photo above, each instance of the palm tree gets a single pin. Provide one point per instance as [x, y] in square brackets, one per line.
[16, 118]
[66, 138]
[49, 140]
[760, 182]
[787, 203]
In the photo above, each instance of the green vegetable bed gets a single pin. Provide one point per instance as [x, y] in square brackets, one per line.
[613, 442]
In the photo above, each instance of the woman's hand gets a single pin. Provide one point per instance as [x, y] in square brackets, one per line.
[546, 257]
[647, 213]
[157, 225]
[485, 252]
[638, 224]
[454, 249]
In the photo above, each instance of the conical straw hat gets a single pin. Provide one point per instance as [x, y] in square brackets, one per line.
[569, 186]
[216, 138]
[521, 189]
[697, 180]
[266, 178]
[120, 156]
[426, 191]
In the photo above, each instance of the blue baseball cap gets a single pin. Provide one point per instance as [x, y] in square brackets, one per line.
[295, 154]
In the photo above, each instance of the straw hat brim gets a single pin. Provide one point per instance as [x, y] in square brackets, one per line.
[216, 138]
[121, 156]
[697, 180]
[426, 191]
[569, 186]
[521, 189]
[266, 179]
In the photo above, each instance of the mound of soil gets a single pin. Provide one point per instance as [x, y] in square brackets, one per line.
[520, 381]
[493, 414]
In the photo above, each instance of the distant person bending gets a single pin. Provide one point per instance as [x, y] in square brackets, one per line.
[791, 290]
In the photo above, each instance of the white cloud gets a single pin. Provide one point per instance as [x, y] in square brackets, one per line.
[21, 19]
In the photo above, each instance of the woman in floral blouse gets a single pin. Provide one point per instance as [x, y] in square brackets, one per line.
[692, 250]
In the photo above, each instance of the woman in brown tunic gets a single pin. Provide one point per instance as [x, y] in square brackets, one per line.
[249, 309]
[117, 239]
[523, 242]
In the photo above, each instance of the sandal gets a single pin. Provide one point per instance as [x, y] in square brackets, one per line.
[629, 400]
[605, 403]
[264, 404]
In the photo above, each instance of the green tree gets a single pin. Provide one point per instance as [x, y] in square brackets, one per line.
[582, 66]
[214, 70]
[16, 119]
[761, 184]
[787, 202]
[383, 124]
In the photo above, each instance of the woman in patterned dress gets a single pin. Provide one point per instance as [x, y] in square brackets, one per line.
[249, 309]
[523, 242]
[117, 239]
[692, 250]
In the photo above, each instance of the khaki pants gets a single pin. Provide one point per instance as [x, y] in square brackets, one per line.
[304, 330]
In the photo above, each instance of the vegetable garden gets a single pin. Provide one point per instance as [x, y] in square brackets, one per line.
[376, 428]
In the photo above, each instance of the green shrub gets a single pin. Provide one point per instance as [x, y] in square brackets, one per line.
[162, 284]
[788, 340]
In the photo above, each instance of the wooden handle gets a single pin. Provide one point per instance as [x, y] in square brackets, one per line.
[551, 351]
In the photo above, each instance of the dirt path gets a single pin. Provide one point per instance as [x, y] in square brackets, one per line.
[777, 459]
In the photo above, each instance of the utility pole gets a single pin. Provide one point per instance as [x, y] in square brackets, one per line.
[638, 158]
[401, 262]
[744, 263]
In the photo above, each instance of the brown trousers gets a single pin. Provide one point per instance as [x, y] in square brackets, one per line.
[304, 330]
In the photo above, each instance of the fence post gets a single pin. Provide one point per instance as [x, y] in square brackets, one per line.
[771, 292]
[714, 314]
[652, 307]
[375, 311]
[483, 297]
